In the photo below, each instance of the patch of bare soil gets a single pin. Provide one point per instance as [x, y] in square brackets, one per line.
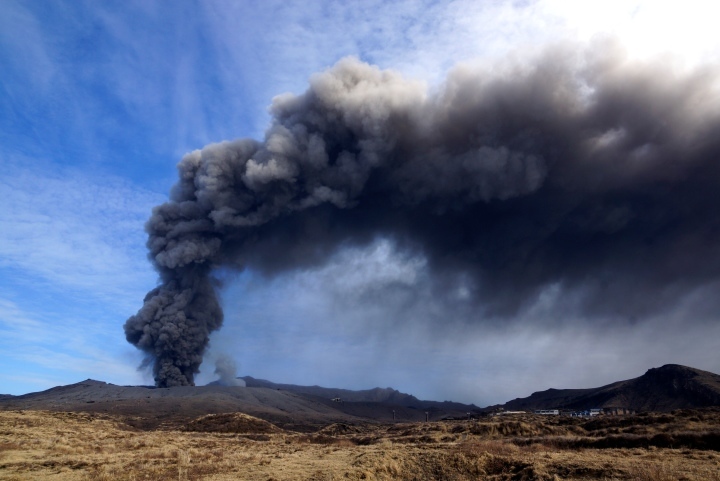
[37, 445]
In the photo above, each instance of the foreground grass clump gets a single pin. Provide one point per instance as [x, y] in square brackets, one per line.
[37, 445]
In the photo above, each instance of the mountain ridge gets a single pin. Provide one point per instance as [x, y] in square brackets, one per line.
[150, 407]
[296, 407]
[665, 388]
[377, 394]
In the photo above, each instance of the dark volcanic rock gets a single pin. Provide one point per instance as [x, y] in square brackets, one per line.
[660, 389]
[309, 408]
[175, 406]
[377, 394]
[386, 395]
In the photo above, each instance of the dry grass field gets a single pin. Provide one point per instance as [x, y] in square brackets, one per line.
[42, 445]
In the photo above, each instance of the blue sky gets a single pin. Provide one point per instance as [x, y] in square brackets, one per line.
[100, 100]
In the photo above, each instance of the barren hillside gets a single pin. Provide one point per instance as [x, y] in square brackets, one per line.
[660, 389]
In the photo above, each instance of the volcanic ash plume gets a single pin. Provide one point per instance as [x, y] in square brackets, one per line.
[580, 171]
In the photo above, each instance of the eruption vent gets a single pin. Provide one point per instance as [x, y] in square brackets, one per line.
[581, 171]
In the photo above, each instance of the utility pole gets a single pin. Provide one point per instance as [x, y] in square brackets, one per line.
[427, 415]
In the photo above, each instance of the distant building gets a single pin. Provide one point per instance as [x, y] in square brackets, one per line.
[548, 412]
[587, 413]
[617, 411]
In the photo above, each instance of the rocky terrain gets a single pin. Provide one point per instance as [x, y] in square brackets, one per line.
[660, 389]
[307, 408]
[289, 408]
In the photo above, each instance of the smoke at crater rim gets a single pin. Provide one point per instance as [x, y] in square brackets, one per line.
[579, 170]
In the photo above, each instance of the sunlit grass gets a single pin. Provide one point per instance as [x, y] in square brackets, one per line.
[38, 445]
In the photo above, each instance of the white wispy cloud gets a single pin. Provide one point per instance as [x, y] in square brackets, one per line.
[73, 267]
[273, 47]
[70, 230]
[44, 347]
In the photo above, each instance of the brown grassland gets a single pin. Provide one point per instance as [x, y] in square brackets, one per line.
[683, 445]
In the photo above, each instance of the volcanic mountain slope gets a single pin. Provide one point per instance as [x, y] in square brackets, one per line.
[157, 406]
[366, 395]
[386, 395]
[660, 389]
[170, 406]
[311, 407]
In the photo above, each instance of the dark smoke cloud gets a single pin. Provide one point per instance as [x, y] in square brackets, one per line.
[580, 172]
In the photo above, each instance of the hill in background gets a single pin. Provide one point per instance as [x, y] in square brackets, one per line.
[308, 408]
[660, 389]
[292, 407]
[386, 395]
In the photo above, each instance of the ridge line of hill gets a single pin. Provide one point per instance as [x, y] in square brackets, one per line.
[664, 388]
[378, 394]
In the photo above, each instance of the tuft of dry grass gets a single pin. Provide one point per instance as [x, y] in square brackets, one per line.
[74, 446]
[667, 471]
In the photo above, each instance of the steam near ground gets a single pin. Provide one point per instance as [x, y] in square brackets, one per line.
[226, 370]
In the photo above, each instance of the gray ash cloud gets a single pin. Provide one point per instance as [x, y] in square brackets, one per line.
[581, 171]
